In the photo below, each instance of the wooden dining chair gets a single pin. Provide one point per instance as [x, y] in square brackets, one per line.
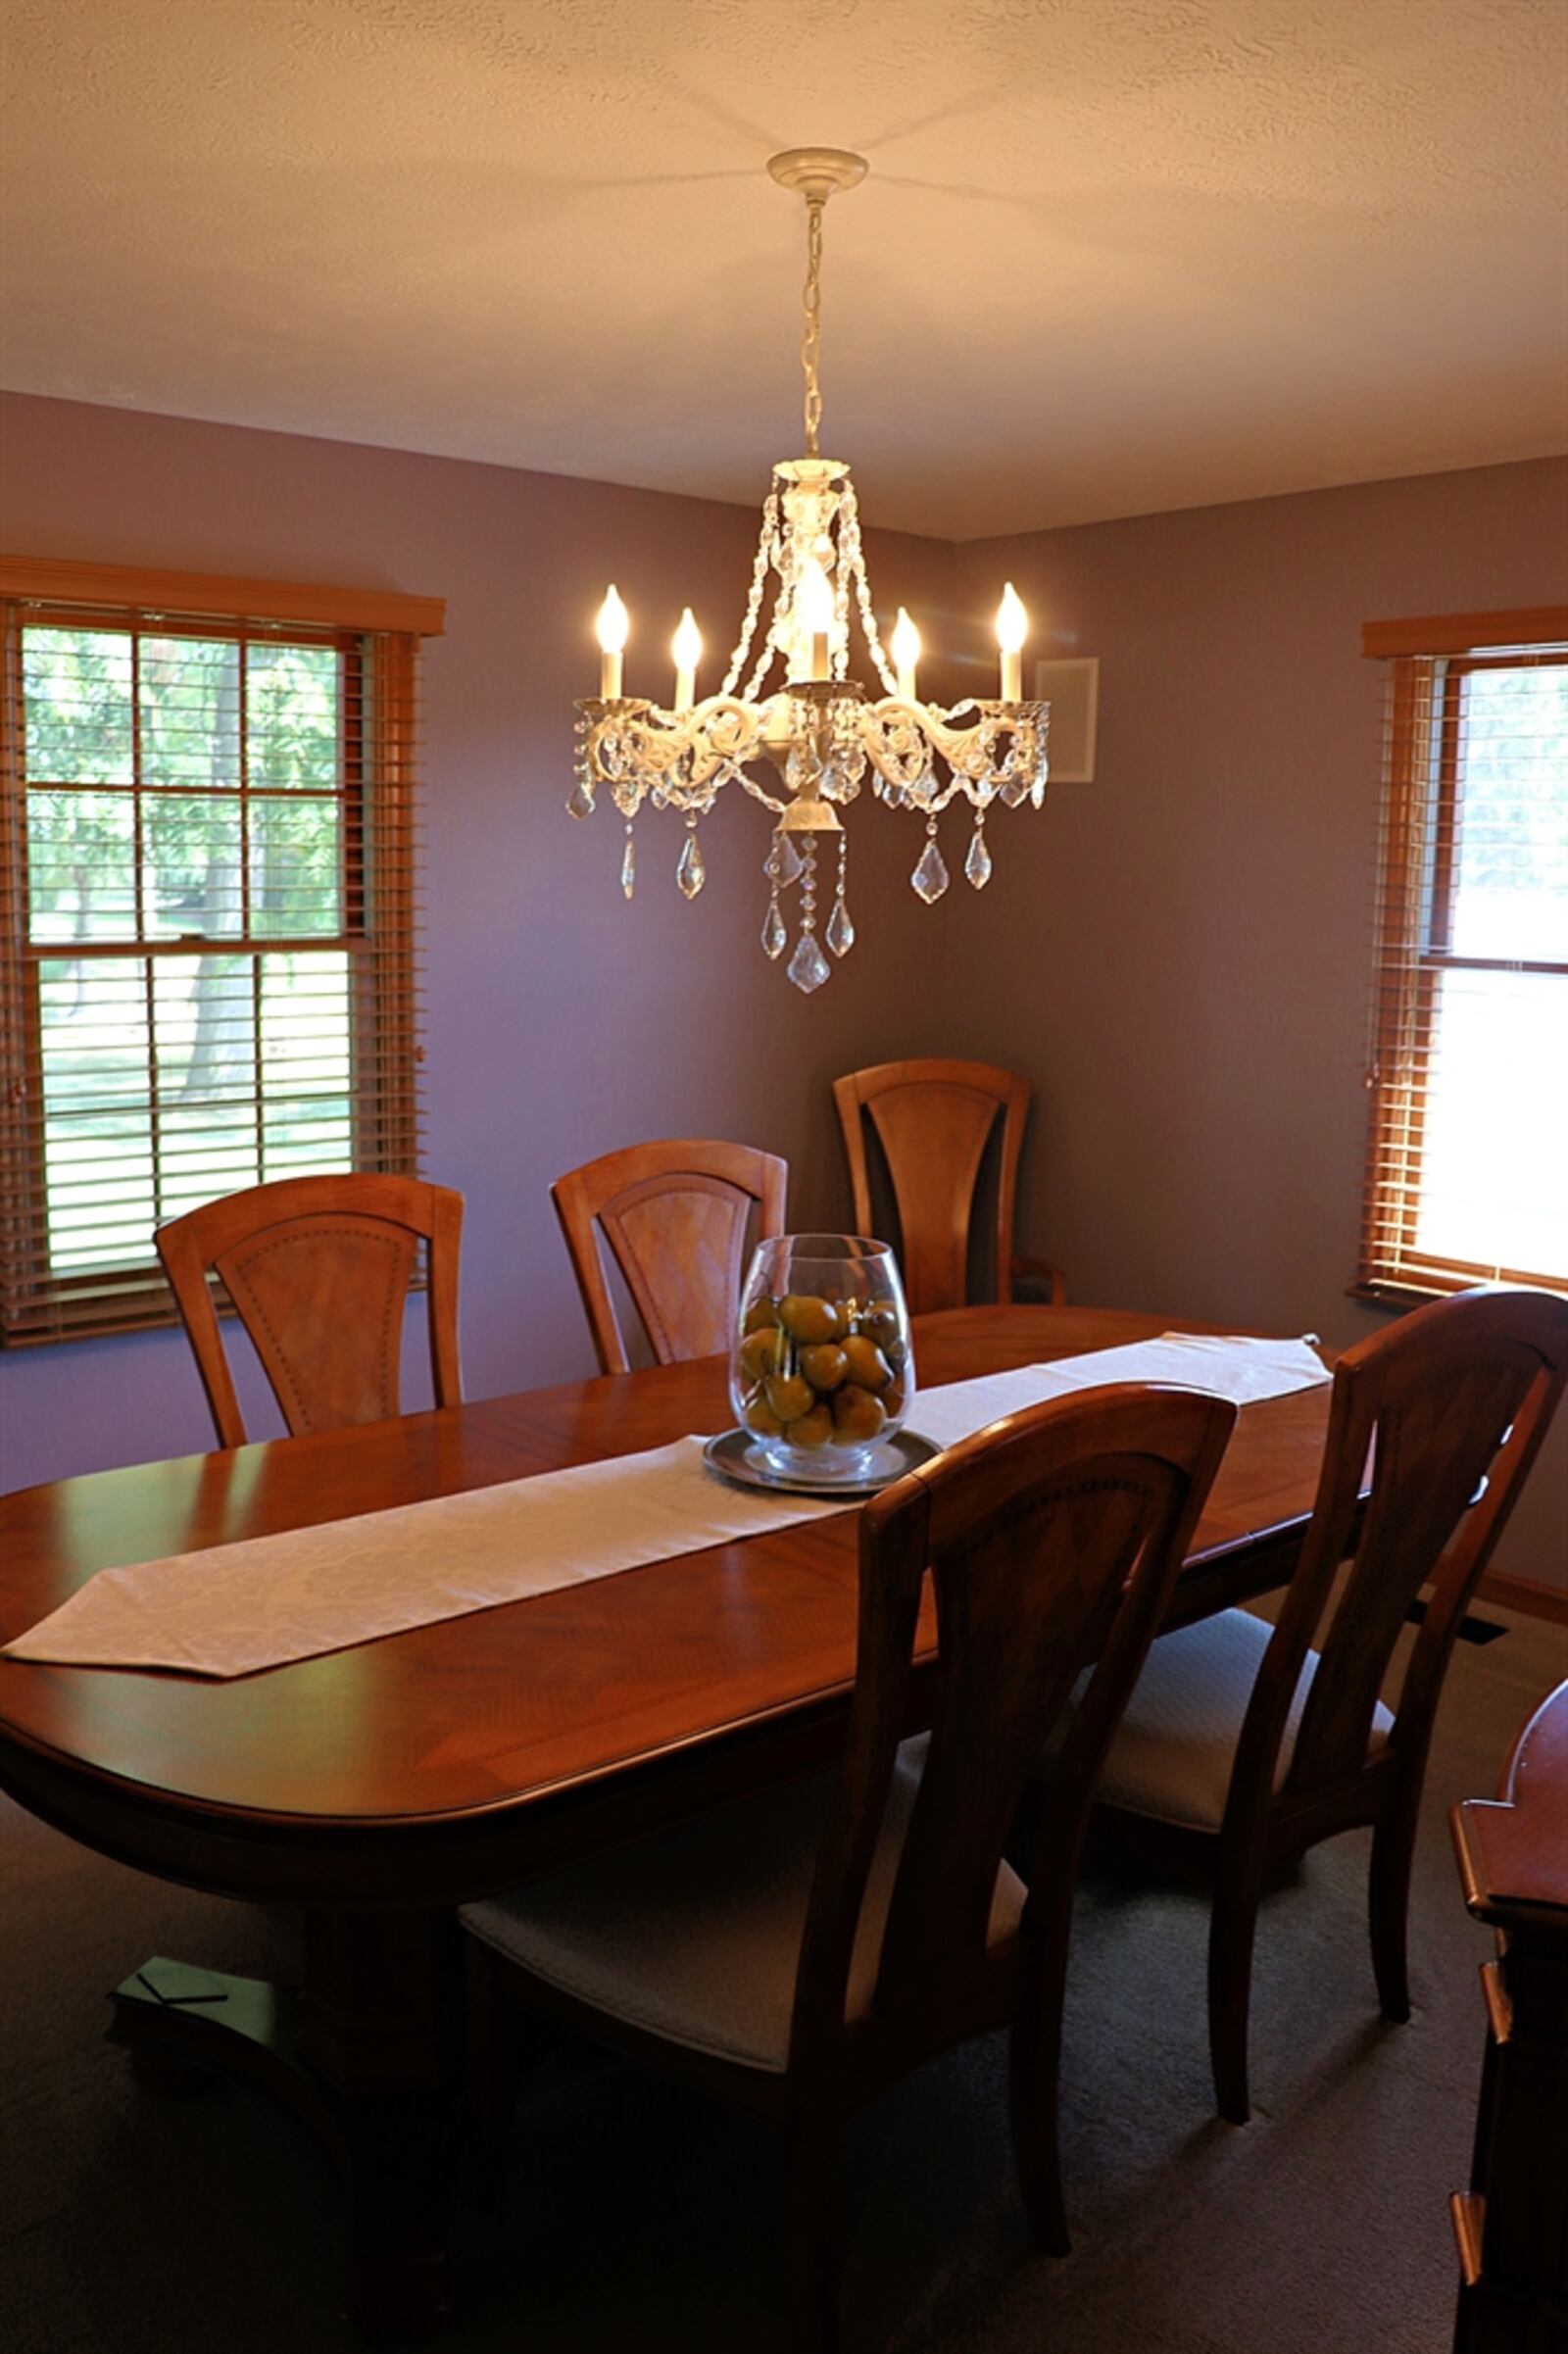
[318, 1269]
[934, 1119]
[1241, 1746]
[673, 1214]
[799, 1948]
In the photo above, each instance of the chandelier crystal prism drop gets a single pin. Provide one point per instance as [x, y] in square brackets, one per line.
[788, 723]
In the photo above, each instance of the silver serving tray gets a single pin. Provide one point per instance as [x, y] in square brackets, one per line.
[736, 1455]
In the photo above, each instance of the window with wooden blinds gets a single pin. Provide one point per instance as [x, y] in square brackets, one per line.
[207, 854]
[1467, 1167]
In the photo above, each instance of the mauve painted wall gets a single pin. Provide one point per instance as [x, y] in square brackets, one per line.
[1191, 993]
[561, 1021]
[1177, 955]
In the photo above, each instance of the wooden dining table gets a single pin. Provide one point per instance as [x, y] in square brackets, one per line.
[377, 1787]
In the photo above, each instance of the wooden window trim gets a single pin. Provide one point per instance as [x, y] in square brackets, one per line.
[209, 597]
[378, 633]
[1465, 633]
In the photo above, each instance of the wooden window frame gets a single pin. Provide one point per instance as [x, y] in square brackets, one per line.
[1416, 888]
[378, 633]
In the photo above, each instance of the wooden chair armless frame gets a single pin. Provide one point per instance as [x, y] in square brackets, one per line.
[934, 1117]
[1052, 1540]
[1031, 1588]
[1452, 1403]
[318, 1269]
[674, 1214]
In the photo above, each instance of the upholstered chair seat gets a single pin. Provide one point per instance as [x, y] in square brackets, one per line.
[1175, 1748]
[695, 1933]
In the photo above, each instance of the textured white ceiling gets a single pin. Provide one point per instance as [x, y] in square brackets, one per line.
[1113, 255]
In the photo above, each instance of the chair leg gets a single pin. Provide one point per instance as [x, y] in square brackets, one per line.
[1231, 1934]
[811, 2229]
[1389, 1902]
[1034, 2078]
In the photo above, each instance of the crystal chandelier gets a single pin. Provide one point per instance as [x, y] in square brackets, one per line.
[814, 732]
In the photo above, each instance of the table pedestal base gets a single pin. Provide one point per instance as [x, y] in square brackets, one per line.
[365, 2055]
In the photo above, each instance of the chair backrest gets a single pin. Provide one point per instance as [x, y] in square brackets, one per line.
[1052, 1540]
[933, 1119]
[318, 1269]
[674, 1215]
[1452, 1404]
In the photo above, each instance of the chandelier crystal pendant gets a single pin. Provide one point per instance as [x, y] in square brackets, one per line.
[788, 707]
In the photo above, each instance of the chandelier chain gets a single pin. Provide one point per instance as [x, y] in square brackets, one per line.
[812, 341]
[766, 553]
[850, 540]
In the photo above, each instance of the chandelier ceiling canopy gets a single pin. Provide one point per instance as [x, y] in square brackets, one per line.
[788, 707]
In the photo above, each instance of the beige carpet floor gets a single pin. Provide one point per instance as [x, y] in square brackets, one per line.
[638, 2221]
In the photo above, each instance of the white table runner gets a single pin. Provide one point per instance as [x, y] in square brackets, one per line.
[1244, 1370]
[236, 1608]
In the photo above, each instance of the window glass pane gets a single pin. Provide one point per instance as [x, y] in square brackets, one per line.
[206, 1031]
[206, 1036]
[98, 1144]
[1511, 879]
[205, 1150]
[190, 717]
[75, 687]
[293, 707]
[190, 877]
[296, 872]
[1495, 1140]
[82, 871]
[307, 1064]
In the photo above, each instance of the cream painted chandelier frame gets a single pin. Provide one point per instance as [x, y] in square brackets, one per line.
[815, 734]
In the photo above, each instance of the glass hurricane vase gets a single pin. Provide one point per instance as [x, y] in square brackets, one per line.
[822, 1370]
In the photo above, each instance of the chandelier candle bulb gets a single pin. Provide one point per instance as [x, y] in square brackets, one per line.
[1012, 627]
[614, 625]
[687, 647]
[904, 647]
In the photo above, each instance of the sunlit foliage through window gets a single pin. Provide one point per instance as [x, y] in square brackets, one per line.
[196, 894]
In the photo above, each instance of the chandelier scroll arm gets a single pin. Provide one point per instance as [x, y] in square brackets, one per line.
[900, 736]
